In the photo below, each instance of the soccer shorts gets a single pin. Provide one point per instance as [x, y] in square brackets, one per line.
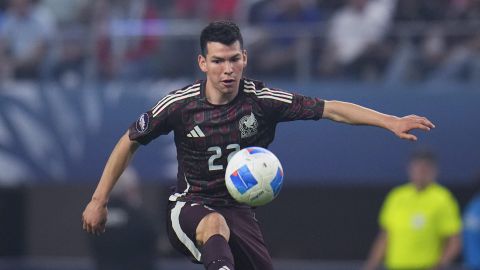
[246, 239]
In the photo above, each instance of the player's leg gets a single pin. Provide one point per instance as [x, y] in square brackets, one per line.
[211, 225]
[212, 234]
[186, 220]
[182, 220]
[246, 240]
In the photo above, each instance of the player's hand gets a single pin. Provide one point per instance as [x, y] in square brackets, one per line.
[94, 217]
[402, 126]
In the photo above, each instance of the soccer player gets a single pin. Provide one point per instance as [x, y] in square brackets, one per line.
[211, 120]
[420, 222]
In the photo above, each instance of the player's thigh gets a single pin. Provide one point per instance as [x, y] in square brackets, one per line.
[212, 224]
[182, 221]
[246, 240]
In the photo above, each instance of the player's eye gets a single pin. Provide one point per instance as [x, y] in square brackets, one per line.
[236, 59]
[217, 61]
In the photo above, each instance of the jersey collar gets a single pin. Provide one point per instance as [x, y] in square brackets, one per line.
[203, 96]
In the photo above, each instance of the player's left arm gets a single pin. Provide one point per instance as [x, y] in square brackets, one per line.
[453, 245]
[354, 114]
[450, 226]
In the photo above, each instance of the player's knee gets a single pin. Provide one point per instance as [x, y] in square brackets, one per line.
[212, 224]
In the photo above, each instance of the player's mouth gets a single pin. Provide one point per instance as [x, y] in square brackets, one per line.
[228, 82]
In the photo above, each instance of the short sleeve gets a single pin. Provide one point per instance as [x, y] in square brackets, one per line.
[449, 220]
[150, 125]
[385, 211]
[286, 106]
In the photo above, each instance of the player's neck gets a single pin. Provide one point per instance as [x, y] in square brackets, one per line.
[422, 186]
[217, 97]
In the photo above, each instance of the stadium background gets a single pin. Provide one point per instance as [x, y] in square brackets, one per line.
[103, 63]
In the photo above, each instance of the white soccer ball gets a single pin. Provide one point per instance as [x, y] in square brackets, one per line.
[254, 176]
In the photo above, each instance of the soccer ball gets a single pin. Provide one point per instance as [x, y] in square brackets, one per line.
[254, 176]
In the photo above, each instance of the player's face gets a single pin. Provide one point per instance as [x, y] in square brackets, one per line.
[223, 65]
[422, 172]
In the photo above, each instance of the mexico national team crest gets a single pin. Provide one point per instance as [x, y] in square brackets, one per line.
[248, 125]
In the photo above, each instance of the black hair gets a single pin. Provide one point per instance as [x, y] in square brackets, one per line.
[424, 154]
[225, 32]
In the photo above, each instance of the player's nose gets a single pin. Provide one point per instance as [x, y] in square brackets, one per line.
[228, 68]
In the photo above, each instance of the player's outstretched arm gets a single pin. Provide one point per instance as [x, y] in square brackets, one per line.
[353, 114]
[94, 216]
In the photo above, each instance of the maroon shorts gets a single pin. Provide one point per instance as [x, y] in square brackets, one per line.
[246, 239]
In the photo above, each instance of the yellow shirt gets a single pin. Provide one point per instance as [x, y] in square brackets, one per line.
[416, 224]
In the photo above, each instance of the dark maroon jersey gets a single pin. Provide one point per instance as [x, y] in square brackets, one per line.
[207, 135]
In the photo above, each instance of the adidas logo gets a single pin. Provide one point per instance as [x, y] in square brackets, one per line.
[224, 268]
[195, 132]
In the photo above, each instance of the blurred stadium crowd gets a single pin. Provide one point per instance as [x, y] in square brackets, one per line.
[376, 40]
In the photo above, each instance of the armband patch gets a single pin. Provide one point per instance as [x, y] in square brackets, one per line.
[142, 123]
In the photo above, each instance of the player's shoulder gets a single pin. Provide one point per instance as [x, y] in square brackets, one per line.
[177, 98]
[441, 191]
[251, 83]
[259, 91]
[187, 89]
[401, 190]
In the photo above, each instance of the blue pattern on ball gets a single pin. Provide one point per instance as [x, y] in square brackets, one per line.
[255, 150]
[243, 180]
[277, 182]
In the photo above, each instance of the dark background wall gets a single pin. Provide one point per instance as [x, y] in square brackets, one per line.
[12, 221]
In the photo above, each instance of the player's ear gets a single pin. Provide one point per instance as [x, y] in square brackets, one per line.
[202, 63]
[244, 52]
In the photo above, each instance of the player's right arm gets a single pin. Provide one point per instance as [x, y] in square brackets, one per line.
[377, 252]
[94, 216]
[157, 121]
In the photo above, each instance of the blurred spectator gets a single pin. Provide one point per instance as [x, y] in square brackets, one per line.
[65, 12]
[130, 240]
[471, 231]
[463, 10]
[414, 59]
[437, 53]
[276, 53]
[430, 41]
[73, 41]
[24, 40]
[208, 10]
[461, 58]
[355, 39]
[222, 10]
[125, 42]
[259, 10]
[420, 222]
[69, 69]
[420, 10]
[461, 61]
[189, 9]
[3, 7]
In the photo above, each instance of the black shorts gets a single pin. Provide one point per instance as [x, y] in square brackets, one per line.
[246, 239]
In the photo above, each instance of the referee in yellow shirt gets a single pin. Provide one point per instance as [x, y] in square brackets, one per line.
[420, 222]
